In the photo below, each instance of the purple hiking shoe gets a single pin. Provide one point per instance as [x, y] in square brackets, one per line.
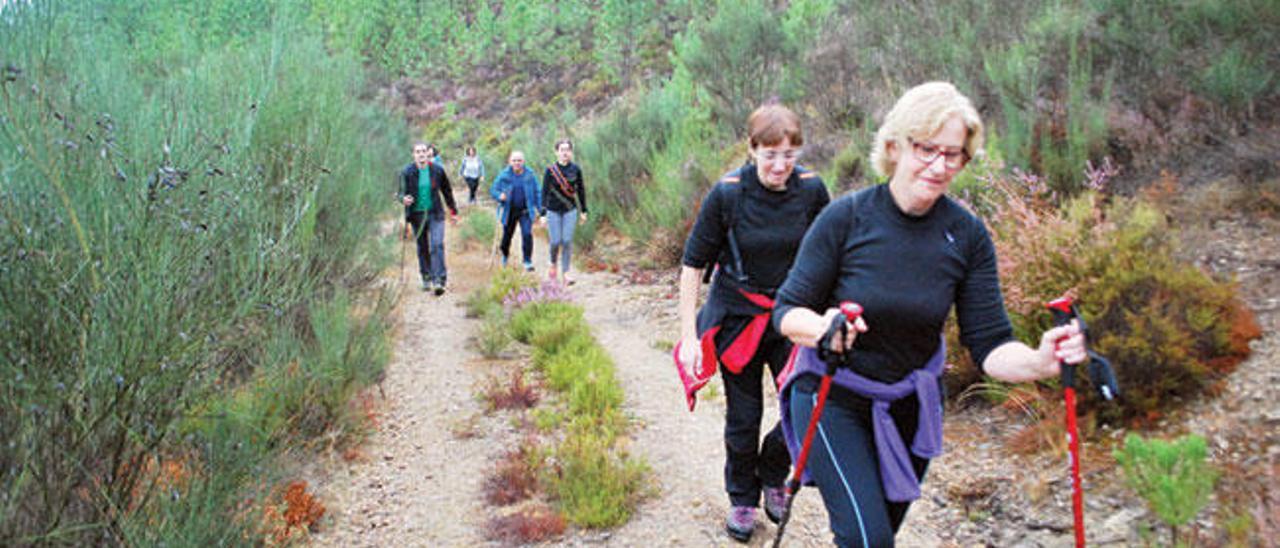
[775, 503]
[740, 523]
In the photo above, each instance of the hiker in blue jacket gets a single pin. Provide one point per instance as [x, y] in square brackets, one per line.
[424, 185]
[519, 199]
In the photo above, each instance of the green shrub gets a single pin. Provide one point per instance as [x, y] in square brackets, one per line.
[492, 338]
[478, 228]
[1237, 78]
[546, 324]
[186, 267]
[594, 487]
[739, 38]
[1174, 477]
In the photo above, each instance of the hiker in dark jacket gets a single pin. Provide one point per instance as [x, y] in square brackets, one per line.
[562, 193]
[907, 254]
[424, 187]
[518, 197]
[750, 227]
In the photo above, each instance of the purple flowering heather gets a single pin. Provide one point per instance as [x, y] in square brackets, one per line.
[549, 291]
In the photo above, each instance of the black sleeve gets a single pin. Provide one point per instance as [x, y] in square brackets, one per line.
[447, 190]
[824, 197]
[707, 238]
[582, 192]
[407, 188]
[984, 324]
[816, 269]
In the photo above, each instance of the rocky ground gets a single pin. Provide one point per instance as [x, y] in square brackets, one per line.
[417, 480]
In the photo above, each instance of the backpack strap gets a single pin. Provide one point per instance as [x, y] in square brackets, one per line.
[561, 181]
[730, 218]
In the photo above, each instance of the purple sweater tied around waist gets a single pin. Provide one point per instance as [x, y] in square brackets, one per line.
[896, 474]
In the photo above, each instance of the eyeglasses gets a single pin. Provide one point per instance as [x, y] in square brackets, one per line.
[928, 153]
[773, 156]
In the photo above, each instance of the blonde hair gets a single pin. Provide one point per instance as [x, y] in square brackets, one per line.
[920, 113]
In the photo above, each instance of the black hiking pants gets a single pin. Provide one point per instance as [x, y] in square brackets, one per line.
[472, 184]
[518, 217]
[750, 465]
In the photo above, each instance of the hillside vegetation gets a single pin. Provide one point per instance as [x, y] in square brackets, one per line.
[186, 252]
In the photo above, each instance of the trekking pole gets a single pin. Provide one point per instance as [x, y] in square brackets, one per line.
[1103, 379]
[850, 312]
[497, 237]
[404, 244]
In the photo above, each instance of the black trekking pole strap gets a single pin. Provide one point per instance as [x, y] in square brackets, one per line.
[1101, 375]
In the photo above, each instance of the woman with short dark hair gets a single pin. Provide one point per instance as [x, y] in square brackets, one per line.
[749, 228]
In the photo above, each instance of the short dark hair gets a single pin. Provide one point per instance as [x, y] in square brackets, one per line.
[564, 142]
[772, 123]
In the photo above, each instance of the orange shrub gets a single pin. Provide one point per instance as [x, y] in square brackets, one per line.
[1170, 330]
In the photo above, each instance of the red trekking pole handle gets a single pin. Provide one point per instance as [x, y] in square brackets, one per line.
[1063, 312]
[850, 311]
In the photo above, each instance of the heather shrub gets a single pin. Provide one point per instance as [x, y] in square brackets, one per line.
[514, 393]
[503, 282]
[526, 526]
[1170, 330]
[515, 476]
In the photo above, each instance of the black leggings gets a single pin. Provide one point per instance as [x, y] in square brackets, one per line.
[843, 462]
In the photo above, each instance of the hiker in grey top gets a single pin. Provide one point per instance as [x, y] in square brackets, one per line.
[472, 170]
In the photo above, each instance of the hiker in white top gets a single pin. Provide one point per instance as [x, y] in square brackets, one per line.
[472, 171]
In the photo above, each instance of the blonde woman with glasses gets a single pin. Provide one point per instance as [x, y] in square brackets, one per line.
[907, 254]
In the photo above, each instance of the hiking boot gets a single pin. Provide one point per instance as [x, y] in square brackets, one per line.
[427, 284]
[504, 261]
[528, 266]
[740, 523]
[439, 288]
[775, 503]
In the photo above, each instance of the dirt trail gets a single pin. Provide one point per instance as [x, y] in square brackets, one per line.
[416, 484]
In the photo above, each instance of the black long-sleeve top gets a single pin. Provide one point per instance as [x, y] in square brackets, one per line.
[554, 199]
[440, 188]
[906, 272]
[769, 225]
